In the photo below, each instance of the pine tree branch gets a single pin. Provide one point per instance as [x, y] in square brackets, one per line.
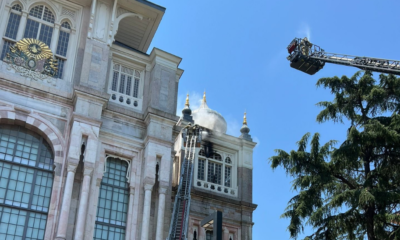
[345, 181]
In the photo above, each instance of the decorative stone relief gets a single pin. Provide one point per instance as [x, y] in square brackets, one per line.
[32, 74]
[68, 12]
[32, 59]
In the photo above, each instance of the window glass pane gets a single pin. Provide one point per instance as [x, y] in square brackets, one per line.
[19, 185]
[62, 45]
[12, 223]
[103, 232]
[218, 173]
[227, 176]
[42, 193]
[202, 153]
[6, 49]
[48, 15]
[113, 201]
[12, 26]
[128, 86]
[36, 226]
[60, 67]
[114, 81]
[209, 235]
[200, 169]
[136, 88]
[66, 25]
[228, 160]
[46, 33]
[31, 29]
[214, 173]
[122, 83]
[36, 11]
[46, 157]
[216, 156]
[210, 172]
[17, 7]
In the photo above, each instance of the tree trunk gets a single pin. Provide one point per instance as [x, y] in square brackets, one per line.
[369, 213]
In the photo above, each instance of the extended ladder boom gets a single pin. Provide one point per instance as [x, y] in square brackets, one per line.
[310, 58]
[179, 222]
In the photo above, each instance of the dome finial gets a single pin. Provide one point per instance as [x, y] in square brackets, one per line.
[204, 97]
[187, 100]
[245, 129]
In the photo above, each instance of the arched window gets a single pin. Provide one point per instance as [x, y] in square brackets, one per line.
[62, 47]
[209, 235]
[113, 201]
[214, 166]
[40, 24]
[12, 29]
[26, 179]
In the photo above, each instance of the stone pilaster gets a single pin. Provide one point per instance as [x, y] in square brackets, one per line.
[160, 213]
[146, 211]
[83, 203]
[69, 183]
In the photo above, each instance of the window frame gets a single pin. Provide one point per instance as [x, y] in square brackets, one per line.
[104, 224]
[231, 190]
[133, 66]
[37, 172]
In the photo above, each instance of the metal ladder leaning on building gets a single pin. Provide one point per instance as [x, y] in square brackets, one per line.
[180, 215]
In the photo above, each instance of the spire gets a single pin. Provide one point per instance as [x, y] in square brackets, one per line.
[187, 100]
[204, 101]
[245, 129]
[187, 112]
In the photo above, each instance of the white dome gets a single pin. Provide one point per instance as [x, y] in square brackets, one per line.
[206, 117]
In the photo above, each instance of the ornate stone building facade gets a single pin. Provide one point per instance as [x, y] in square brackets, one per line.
[90, 144]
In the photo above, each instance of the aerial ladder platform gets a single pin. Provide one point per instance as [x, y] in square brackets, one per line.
[310, 58]
[191, 141]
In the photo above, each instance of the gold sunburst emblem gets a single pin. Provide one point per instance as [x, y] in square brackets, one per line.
[34, 48]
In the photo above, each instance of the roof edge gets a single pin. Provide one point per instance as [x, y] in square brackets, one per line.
[153, 5]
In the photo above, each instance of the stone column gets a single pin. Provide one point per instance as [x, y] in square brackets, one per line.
[54, 38]
[69, 183]
[146, 211]
[83, 204]
[160, 213]
[130, 214]
[202, 233]
[22, 24]
[226, 234]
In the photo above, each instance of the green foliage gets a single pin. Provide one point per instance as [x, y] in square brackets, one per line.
[353, 191]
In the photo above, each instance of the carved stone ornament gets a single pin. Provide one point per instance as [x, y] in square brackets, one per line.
[32, 58]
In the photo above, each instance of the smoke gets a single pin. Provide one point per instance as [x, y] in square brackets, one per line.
[233, 126]
[304, 31]
[194, 101]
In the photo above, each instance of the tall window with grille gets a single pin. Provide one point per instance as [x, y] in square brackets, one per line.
[62, 47]
[26, 180]
[124, 86]
[113, 201]
[214, 169]
[10, 35]
[39, 25]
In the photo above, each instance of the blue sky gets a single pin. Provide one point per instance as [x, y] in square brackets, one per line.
[236, 51]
